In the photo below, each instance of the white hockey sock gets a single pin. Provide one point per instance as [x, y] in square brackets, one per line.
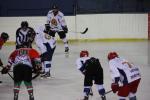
[47, 70]
[65, 42]
[47, 66]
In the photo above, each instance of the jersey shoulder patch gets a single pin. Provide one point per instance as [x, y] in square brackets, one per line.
[50, 12]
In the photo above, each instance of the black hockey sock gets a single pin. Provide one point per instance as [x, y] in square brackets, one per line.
[103, 97]
[16, 96]
[31, 97]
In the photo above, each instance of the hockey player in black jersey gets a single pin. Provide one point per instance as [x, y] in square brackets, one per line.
[24, 35]
[91, 68]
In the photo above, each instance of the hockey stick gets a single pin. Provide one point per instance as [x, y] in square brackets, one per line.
[81, 32]
[91, 92]
[8, 71]
[84, 31]
[108, 92]
[33, 77]
[9, 74]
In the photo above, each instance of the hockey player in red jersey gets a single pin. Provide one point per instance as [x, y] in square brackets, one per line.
[91, 68]
[3, 38]
[23, 60]
[126, 77]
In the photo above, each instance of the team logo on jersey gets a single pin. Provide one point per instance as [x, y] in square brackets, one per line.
[54, 22]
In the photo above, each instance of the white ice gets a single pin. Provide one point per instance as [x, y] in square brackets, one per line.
[67, 83]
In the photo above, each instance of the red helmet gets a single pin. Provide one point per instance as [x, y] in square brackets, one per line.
[84, 53]
[112, 55]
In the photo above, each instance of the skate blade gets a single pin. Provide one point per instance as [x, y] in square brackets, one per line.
[47, 77]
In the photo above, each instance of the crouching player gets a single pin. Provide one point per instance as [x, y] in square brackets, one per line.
[23, 60]
[3, 38]
[46, 45]
[91, 68]
[126, 74]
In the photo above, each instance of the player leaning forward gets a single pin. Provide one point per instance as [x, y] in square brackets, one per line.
[126, 77]
[3, 38]
[46, 45]
[56, 20]
[91, 68]
[23, 60]
[24, 35]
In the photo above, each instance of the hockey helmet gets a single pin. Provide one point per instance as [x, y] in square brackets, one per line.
[84, 53]
[4, 36]
[24, 24]
[54, 7]
[112, 55]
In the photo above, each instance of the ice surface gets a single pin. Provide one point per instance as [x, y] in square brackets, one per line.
[67, 81]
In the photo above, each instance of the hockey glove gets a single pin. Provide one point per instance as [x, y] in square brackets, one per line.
[65, 29]
[5, 70]
[115, 87]
[30, 36]
[37, 67]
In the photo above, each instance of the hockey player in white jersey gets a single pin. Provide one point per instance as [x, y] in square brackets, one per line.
[91, 68]
[126, 77]
[46, 45]
[56, 20]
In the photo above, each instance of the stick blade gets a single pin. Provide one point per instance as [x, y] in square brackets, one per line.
[85, 31]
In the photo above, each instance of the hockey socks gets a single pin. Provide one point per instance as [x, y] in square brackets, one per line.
[29, 89]
[16, 90]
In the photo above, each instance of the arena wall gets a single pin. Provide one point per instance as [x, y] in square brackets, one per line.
[101, 26]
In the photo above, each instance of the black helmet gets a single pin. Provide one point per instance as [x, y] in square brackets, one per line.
[24, 24]
[4, 36]
[54, 7]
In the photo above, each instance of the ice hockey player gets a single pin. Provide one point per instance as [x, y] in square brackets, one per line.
[126, 77]
[58, 25]
[3, 38]
[91, 68]
[23, 60]
[24, 35]
[46, 45]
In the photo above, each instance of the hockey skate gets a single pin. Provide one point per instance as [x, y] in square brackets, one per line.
[31, 97]
[46, 75]
[85, 98]
[67, 51]
[42, 72]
